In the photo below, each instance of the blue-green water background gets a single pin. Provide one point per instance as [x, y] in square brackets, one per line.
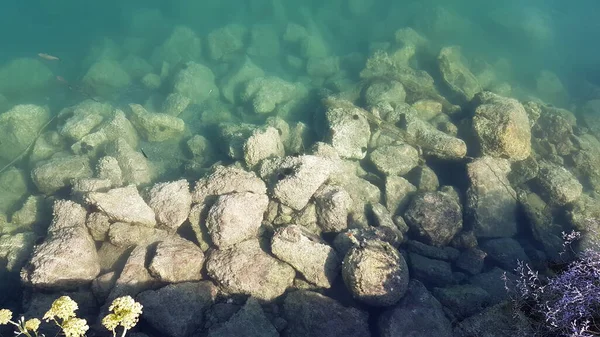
[69, 27]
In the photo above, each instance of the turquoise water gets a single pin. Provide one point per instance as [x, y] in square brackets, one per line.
[541, 51]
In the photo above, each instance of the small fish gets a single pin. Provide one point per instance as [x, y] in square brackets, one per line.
[144, 153]
[48, 57]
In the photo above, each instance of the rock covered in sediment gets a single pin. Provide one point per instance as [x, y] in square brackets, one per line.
[56, 173]
[122, 234]
[435, 216]
[246, 269]
[24, 75]
[156, 127]
[123, 204]
[311, 314]
[135, 167]
[347, 129]
[313, 258]
[181, 46]
[398, 192]
[176, 260]
[98, 224]
[391, 92]
[13, 184]
[296, 179]
[345, 241]
[226, 40]
[196, 82]
[249, 321]
[418, 312]
[177, 310]
[15, 249]
[227, 179]
[333, 204]
[236, 217]
[375, 273]
[108, 168]
[171, 203]
[456, 74]
[106, 77]
[491, 201]
[502, 127]
[237, 77]
[263, 143]
[434, 142]
[175, 104]
[395, 159]
[134, 276]
[67, 257]
[559, 186]
[266, 93]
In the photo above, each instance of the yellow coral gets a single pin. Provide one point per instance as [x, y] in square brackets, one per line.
[5, 316]
[125, 312]
[63, 307]
[75, 327]
[32, 324]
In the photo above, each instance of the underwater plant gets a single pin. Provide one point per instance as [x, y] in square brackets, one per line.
[564, 304]
[125, 312]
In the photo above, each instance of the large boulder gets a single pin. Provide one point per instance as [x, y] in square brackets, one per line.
[197, 82]
[52, 263]
[456, 74]
[501, 127]
[57, 173]
[123, 204]
[19, 128]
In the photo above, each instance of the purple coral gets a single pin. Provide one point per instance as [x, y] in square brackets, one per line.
[567, 303]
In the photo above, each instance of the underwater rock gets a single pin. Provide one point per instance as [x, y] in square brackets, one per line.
[196, 82]
[471, 261]
[551, 89]
[310, 256]
[237, 77]
[398, 192]
[395, 159]
[236, 217]
[226, 41]
[176, 260]
[266, 93]
[347, 129]
[108, 168]
[175, 104]
[432, 272]
[80, 124]
[197, 220]
[225, 180]
[106, 77]
[156, 127]
[263, 143]
[123, 204]
[171, 203]
[15, 250]
[558, 185]
[502, 127]
[98, 225]
[296, 179]
[345, 241]
[51, 265]
[54, 174]
[375, 273]
[333, 204]
[23, 76]
[264, 43]
[418, 313]
[19, 127]
[322, 67]
[544, 228]
[586, 161]
[135, 167]
[249, 321]
[309, 313]
[136, 66]
[183, 45]
[507, 253]
[119, 127]
[435, 216]
[462, 300]
[247, 270]
[391, 92]
[32, 214]
[456, 74]
[432, 141]
[122, 234]
[151, 81]
[491, 201]
[177, 310]
[13, 184]
[497, 320]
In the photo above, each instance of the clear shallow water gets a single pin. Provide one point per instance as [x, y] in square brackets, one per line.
[522, 38]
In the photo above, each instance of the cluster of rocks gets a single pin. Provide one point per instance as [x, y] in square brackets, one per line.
[408, 203]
